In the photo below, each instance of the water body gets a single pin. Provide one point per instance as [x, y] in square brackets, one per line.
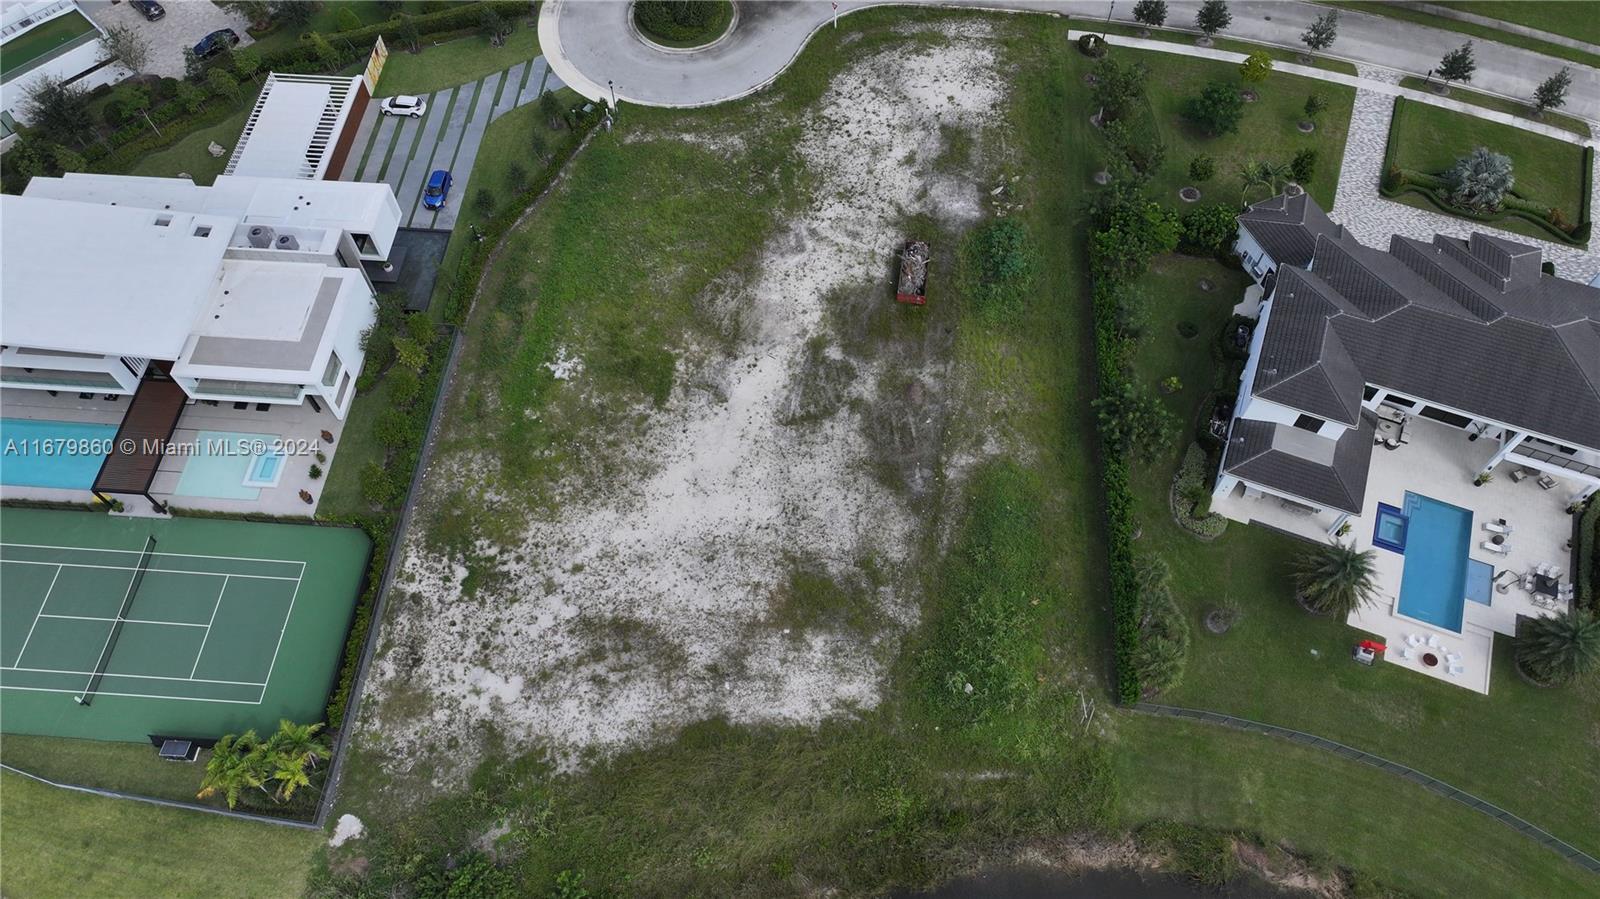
[1045, 883]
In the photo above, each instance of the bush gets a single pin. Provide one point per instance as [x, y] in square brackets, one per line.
[378, 484]
[1216, 110]
[404, 384]
[392, 428]
[315, 472]
[1304, 166]
[1202, 169]
[1163, 629]
[678, 20]
[1092, 45]
[1207, 229]
[1191, 496]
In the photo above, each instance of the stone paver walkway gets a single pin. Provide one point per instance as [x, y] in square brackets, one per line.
[1372, 219]
[403, 152]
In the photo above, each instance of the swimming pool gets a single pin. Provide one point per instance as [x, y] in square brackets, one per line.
[230, 465]
[1433, 586]
[61, 454]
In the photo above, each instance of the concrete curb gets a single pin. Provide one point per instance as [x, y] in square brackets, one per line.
[556, 58]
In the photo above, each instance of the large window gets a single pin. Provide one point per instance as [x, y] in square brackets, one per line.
[44, 377]
[1308, 423]
[248, 389]
[331, 373]
[1449, 418]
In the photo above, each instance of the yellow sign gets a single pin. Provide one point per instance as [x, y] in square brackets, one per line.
[380, 54]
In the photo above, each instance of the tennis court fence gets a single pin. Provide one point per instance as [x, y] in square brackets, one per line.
[1537, 834]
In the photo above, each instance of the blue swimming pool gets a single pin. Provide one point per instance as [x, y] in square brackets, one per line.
[1433, 586]
[63, 454]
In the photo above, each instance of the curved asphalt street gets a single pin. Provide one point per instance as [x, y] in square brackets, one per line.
[589, 43]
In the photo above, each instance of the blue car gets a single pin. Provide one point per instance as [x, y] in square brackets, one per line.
[438, 189]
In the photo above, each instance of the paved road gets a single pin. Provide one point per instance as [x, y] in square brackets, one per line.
[589, 43]
[403, 152]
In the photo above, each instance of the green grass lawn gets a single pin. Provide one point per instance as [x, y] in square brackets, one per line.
[1337, 810]
[1430, 139]
[1561, 18]
[1531, 751]
[329, 17]
[1552, 19]
[1267, 132]
[1500, 104]
[58, 842]
[458, 61]
[127, 767]
[189, 153]
[41, 40]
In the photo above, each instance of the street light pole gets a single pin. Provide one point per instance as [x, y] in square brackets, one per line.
[613, 85]
[1105, 32]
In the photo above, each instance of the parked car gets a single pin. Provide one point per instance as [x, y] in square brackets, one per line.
[404, 104]
[438, 189]
[150, 9]
[213, 43]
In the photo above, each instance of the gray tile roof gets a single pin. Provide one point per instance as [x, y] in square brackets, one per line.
[1287, 227]
[1471, 324]
[1324, 472]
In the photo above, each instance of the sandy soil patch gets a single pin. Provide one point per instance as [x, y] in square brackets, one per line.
[645, 605]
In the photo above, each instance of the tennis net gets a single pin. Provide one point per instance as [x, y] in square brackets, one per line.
[99, 672]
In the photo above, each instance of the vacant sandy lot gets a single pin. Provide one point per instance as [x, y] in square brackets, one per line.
[661, 601]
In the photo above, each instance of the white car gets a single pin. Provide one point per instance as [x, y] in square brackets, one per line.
[404, 104]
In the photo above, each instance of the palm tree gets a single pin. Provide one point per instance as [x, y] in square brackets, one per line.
[298, 742]
[233, 766]
[290, 773]
[1335, 579]
[1261, 173]
[1559, 649]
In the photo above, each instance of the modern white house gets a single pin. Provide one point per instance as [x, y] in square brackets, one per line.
[1437, 402]
[47, 37]
[302, 126]
[249, 290]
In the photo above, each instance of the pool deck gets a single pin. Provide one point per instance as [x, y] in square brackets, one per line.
[294, 424]
[1439, 462]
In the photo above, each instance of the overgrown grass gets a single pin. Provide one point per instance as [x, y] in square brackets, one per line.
[1548, 171]
[1340, 813]
[58, 842]
[1268, 130]
[129, 767]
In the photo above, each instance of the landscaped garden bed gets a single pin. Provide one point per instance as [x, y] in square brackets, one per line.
[1550, 197]
[683, 23]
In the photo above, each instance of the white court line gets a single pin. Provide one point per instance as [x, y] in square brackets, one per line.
[124, 621]
[197, 680]
[262, 577]
[132, 695]
[287, 615]
[135, 552]
[39, 613]
[214, 607]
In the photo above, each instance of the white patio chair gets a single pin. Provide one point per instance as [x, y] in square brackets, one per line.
[1496, 548]
[1433, 642]
[1454, 658]
[1555, 571]
[1497, 527]
[1455, 669]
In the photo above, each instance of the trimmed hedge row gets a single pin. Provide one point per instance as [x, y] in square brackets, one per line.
[1110, 350]
[1397, 181]
[1588, 562]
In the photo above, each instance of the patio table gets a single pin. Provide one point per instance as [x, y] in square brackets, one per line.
[1545, 584]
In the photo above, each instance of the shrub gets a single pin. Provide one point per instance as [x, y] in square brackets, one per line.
[1256, 67]
[1001, 256]
[1559, 649]
[404, 384]
[1163, 629]
[1118, 87]
[315, 472]
[1216, 110]
[1134, 421]
[1092, 45]
[1304, 166]
[1480, 180]
[392, 428]
[1208, 229]
[1191, 496]
[347, 20]
[378, 485]
[676, 20]
[1202, 169]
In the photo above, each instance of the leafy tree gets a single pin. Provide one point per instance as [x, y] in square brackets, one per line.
[27, 158]
[1213, 17]
[1216, 110]
[294, 12]
[188, 96]
[325, 52]
[1256, 67]
[494, 25]
[1202, 168]
[223, 85]
[408, 34]
[1118, 86]
[347, 20]
[1559, 649]
[1144, 153]
[135, 100]
[57, 109]
[1152, 13]
[246, 63]
[517, 177]
[1304, 166]
[125, 46]
[68, 160]
[1335, 579]
[1135, 422]
[1480, 180]
[1136, 230]
[1315, 104]
[1458, 64]
[1552, 92]
[1323, 32]
[550, 108]
[1208, 228]
[483, 202]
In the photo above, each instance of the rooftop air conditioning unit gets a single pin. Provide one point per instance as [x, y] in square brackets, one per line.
[260, 236]
[287, 242]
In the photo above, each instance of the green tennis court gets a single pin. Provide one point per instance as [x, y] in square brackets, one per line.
[117, 628]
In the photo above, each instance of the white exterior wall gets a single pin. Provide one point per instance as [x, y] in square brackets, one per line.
[1255, 259]
[347, 343]
[127, 380]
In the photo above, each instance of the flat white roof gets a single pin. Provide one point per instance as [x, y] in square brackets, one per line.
[293, 128]
[93, 278]
[350, 205]
[269, 320]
